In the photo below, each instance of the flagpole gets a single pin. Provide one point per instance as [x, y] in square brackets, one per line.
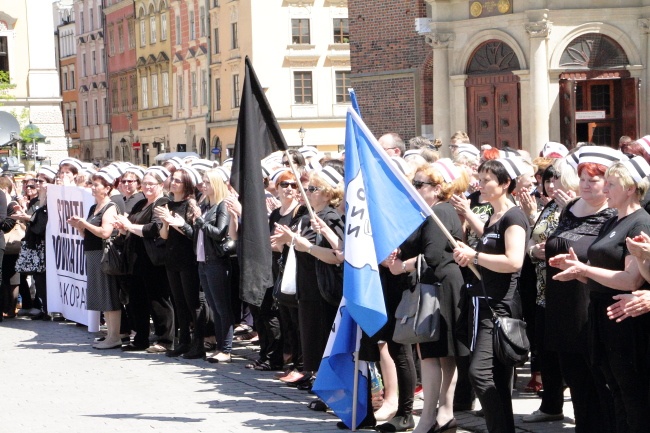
[355, 388]
[453, 242]
[302, 190]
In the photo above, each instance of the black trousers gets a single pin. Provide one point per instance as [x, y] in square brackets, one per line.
[189, 303]
[619, 351]
[549, 365]
[40, 281]
[290, 329]
[267, 323]
[464, 395]
[402, 355]
[26, 295]
[593, 405]
[150, 297]
[491, 380]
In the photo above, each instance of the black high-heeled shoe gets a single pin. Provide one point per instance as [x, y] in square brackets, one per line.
[449, 427]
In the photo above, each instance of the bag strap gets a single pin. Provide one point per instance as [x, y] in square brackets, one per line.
[485, 296]
[418, 268]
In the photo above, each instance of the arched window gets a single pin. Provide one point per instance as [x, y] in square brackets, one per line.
[491, 57]
[593, 51]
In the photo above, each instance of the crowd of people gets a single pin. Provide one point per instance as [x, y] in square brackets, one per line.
[561, 240]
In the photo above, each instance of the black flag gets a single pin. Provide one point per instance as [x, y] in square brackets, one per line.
[258, 135]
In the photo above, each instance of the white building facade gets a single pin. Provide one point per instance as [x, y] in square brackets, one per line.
[521, 73]
[300, 52]
[27, 52]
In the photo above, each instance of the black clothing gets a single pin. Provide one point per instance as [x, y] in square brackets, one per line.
[490, 378]
[619, 349]
[92, 242]
[178, 247]
[567, 301]
[129, 202]
[214, 224]
[430, 241]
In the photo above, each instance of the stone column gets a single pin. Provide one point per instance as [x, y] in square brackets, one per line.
[644, 28]
[539, 105]
[441, 42]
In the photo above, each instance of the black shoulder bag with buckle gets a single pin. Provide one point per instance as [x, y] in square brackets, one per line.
[509, 340]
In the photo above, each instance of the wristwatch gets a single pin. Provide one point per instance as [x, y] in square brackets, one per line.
[403, 267]
[476, 258]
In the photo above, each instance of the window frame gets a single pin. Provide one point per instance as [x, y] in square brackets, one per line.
[301, 99]
[296, 31]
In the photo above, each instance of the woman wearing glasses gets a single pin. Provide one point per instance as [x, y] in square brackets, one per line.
[280, 336]
[436, 183]
[499, 255]
[181, 265]
[315, 315]
[149, 292]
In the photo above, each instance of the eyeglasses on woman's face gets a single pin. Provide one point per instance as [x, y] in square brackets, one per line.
[150, 184]
[312, 188]
[419, 184]
[128, 181]
[177, 180]
[30, 187]
[292, 185]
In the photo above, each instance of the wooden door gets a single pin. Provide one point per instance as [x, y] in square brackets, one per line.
[567, 113]
[506, 97]
[493, 110]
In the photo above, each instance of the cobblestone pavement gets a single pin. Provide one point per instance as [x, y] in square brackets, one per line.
[53, 382]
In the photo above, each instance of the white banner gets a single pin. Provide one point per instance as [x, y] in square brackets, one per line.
[66, 261]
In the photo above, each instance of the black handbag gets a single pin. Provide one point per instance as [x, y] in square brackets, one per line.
[329, 278]
[417, 318]
[114, 258]
[227, 247]
[509, 340]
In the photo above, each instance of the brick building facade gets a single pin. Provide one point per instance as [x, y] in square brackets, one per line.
[391, 66]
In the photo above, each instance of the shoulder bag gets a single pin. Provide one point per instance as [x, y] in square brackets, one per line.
[114, 258]
[509, 340]
[284, 289]
[418, 313]
[14, 238]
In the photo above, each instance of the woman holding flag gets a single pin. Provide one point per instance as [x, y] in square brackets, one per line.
[315, 315]
[436, 183]
[499, 255]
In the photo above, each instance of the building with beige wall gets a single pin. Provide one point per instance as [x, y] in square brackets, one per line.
[153, 65]
[300, 51]
[190, 57]
[92, 81]
[27, 52]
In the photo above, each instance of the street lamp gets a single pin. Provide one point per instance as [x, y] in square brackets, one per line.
[35, 134]
[123, 146]
[301, 133]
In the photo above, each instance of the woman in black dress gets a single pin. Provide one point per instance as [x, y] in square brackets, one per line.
[499, 256]
[618, 349]
[102, 293]
[436, 183]
[567, 302]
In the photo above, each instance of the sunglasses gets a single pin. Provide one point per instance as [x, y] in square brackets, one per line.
[30, 187]
[419, 184]
[292, 185]
[128, 181]
[312, 188]
[176, 180]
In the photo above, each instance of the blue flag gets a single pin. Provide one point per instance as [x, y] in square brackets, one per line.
[335, 381]
[382, 210]
[353, 100]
